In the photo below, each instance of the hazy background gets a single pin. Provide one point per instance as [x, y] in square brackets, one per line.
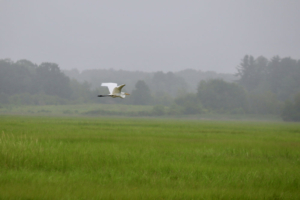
[148, 36]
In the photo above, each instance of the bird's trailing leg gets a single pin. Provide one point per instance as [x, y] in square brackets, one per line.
[103, 95]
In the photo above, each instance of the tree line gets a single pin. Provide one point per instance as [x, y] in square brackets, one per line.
[260, 86]
[171, 82]
[273, 85]
[24, 82]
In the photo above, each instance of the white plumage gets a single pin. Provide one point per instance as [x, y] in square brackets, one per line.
[114, 90]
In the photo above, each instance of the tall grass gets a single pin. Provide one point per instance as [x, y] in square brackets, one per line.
[89, 158]
[112, 110]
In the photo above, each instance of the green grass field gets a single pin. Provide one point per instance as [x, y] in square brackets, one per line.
[83, 109]
[120, 110]
[113, 158]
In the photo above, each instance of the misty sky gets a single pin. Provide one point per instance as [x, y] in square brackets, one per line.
[148, 35]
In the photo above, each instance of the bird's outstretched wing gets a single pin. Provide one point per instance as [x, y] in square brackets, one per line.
[118, 89]
[111, 86]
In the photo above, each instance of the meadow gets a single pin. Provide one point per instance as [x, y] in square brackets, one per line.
[121, 110]
[63, 157]
[83, 109]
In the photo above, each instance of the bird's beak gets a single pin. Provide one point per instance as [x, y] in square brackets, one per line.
[127, 94]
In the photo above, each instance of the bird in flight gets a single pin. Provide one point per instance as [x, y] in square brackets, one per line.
[114, 90]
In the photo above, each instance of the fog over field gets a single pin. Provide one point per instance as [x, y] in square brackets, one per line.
[212, 107]
[148, 35]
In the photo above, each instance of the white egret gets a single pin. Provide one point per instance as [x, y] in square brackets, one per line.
[114, 90]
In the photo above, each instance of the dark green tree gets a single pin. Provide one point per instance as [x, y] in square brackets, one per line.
[221, 96]
[15, 78]
[291, 110]
[284, 78]
[280, 76]
[252, 72]
[264, 103]
[52, 81]
[24, 82]
[141, 95]
[190, 104]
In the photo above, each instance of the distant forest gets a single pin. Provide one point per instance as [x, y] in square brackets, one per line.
[170, 82]
[260, 86]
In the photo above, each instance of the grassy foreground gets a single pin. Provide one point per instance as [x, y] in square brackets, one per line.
[101, 158]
